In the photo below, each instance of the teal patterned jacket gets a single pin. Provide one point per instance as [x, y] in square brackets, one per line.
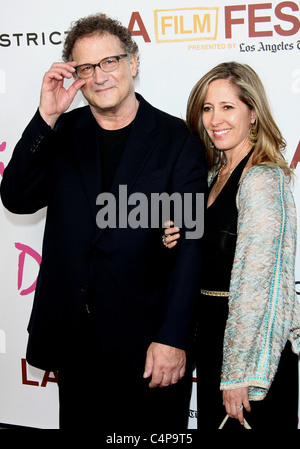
[264, 312]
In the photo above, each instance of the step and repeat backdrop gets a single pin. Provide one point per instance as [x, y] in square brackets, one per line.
[179, 41]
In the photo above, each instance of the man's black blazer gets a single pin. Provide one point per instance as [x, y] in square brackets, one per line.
[140, 291]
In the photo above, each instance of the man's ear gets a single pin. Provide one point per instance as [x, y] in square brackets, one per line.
[134, 65]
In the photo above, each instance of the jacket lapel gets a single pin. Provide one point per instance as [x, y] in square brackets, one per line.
[87, 152]
[138, 148]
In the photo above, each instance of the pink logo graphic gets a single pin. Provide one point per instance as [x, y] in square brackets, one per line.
[32, 253]
[2, 148]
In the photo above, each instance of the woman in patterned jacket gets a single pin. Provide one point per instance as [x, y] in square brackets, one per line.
[248, 317]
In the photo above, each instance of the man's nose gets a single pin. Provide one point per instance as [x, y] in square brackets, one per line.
[99, 76]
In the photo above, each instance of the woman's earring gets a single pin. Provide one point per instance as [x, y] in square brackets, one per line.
[253, 134]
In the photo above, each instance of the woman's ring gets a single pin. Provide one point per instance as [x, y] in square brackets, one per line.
[164, 241]
[240, 407]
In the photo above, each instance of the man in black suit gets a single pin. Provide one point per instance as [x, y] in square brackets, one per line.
[113, 309]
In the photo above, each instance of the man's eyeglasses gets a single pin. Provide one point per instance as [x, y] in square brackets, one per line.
[106, 65]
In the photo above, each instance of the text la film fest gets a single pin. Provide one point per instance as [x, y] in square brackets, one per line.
[179, 41]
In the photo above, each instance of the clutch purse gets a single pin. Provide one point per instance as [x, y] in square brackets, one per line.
[246, 425]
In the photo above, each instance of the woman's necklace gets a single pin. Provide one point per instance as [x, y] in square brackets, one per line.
[220, 183]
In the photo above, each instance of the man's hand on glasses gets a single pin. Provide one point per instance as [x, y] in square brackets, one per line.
[55, 99]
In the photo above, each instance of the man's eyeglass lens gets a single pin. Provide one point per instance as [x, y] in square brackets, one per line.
[106, 65]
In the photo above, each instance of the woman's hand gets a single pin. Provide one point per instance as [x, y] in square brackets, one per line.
[234, 402]
[171, 235]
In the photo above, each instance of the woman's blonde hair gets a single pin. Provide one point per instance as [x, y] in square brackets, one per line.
[265, 134]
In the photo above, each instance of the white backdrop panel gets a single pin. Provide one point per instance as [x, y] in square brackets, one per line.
[179, 41]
